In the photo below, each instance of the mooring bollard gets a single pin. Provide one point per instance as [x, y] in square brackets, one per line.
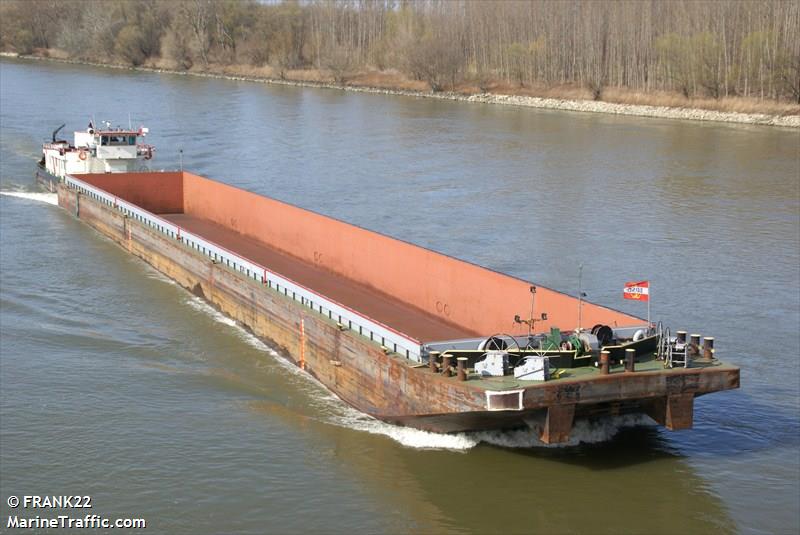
[446, 361]
[708, 347]
[630, 360]
[694, 344]
[462, 368]
[605, 356]
[680, 337]
[433, 356]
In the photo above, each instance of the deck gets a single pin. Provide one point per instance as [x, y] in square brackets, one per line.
[644, 363]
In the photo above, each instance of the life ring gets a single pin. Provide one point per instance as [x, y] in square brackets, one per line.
[82, 155]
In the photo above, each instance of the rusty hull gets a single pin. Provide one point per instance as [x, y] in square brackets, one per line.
[386, 385]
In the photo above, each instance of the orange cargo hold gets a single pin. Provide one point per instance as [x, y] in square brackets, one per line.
[457, 298]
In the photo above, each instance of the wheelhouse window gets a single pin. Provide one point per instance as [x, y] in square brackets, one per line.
[117, 141]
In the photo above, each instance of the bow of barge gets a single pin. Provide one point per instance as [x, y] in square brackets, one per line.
[400, 332]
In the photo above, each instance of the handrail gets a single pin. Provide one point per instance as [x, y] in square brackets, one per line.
[375, 330]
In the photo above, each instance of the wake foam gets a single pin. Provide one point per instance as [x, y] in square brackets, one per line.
[584, 432]
[47, 198]
[413, 438]
[336, 412]
[252, 340]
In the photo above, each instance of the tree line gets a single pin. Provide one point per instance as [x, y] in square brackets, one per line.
[714, 48]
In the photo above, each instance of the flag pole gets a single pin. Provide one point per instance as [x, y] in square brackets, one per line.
[648, 303]
[580, 295]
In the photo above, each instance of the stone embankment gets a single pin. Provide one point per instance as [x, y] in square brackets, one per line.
[662, 112]
[694, 114]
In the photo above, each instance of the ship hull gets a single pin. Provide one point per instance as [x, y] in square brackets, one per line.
[45, 180]
[386, 384]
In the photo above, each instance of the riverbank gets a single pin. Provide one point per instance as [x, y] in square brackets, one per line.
[405, 88]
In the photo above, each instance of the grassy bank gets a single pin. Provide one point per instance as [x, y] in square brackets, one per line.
[618, 101]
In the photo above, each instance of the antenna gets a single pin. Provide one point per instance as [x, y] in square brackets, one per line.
[180, 155]
[531, 321]
[580, 295]
[130, 125]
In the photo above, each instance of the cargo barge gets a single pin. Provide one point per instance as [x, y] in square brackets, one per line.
[400, 332]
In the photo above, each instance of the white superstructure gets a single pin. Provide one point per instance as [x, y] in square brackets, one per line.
[108, 150]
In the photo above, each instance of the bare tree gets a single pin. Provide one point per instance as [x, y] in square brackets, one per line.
[435, 60]
[710, 48]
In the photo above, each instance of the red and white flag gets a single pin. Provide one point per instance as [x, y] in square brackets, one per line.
[638, 291]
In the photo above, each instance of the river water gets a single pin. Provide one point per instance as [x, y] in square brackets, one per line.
[118, 384]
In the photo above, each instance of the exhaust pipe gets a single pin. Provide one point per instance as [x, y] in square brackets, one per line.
[55, 132]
